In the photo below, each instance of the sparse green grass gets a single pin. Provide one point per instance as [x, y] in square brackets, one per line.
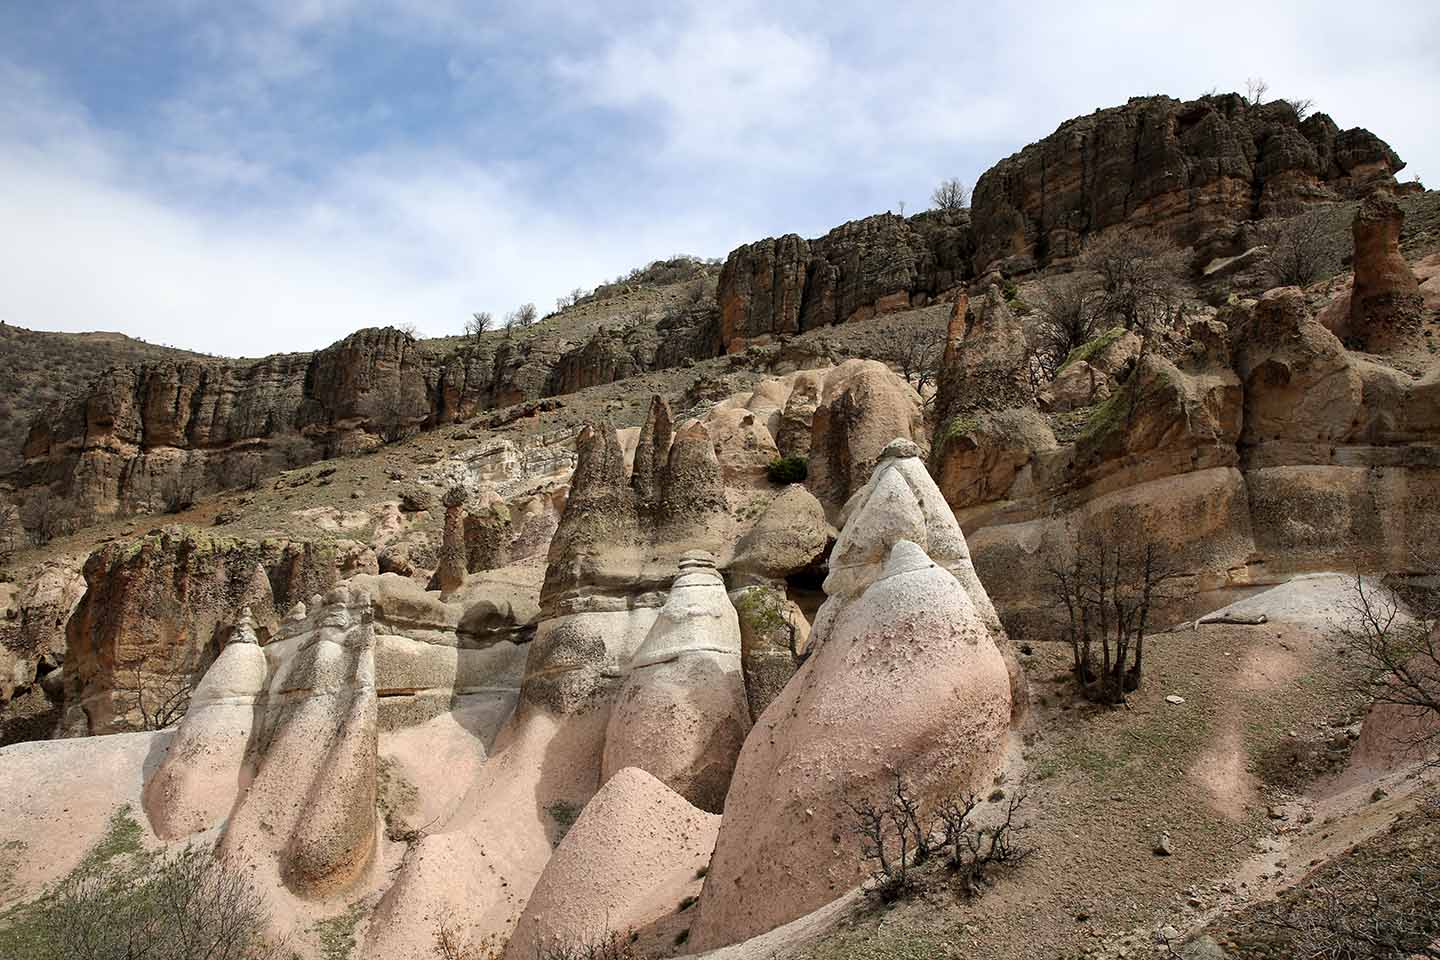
[763, 609]
[122, 838]
[564, 814]
[1087, 350]
[336, 935]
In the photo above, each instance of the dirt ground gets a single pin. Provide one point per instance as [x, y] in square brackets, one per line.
[1233, 775]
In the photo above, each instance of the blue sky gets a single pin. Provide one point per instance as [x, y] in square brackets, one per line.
[251, 176]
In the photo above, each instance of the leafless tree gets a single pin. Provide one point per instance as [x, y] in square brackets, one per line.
[1302, 107]
[951, 194]
[1395, 632]
[973, 849]
[889, 831]
[523, 316]
[1104, 588]
[1138, 279]
[898, 834]
[1350, 917]
[185, 905]
[395, 411]
[410, 330]
[294, 449]
[478, 325]
[1255, 90]
[1300, 248]
[160, 697]
[452, 943]
[916, 351]
[1066, 310]
[610, 945]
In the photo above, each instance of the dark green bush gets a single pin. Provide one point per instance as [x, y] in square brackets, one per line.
[788, 470]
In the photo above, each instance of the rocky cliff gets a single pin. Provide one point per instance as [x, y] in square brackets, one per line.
[1251, 446]
[1190, 169]
[788, 285]
[1193, 170]
[143, 437]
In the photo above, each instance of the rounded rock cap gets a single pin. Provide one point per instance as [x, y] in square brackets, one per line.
[697, 560]
[900, 449]
[244, 630]
[906, 557]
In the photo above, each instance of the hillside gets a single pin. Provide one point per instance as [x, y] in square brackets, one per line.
[979, 583]
[40, 370]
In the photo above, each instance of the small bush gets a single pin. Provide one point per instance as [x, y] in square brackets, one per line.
[185, 905]
[606, 946]
[899, 836]
[786, 470]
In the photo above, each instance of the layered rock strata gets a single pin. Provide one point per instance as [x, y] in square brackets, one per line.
[1192, 170]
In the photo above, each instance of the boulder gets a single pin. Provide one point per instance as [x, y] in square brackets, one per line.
[635, 853]
[987, 366]
[1299, 384]
[1077, 385]
[792, 437]
[864, 405]
[791, 535]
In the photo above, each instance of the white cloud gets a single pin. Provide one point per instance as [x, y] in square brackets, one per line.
[273, 198]
[401, 237]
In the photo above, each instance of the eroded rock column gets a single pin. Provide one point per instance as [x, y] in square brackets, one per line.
[682, 714]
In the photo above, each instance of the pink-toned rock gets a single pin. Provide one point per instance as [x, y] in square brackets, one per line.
[306, 822]
[863, 406]
[633, 855]
[681, 714]
[914, 642]
[197, 784]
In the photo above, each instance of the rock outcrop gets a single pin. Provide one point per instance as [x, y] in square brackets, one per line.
[196, 784]
[636, 851]
[1251, 447]
[143, 435]
[156, 611]
[33, 613]
[681, 714]
[913, 640]
[863, 406]
[882, 263]
[1192, 170]
[1385, 300]
[306, 820]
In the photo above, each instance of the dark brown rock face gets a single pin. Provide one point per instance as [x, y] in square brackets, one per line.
[1191, 169]
[984, 360]
[208, 425]
[788, 285]
[1385, 304]
[602, 359]
[165, 602]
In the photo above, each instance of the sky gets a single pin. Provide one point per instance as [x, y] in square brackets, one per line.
[251, 176]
